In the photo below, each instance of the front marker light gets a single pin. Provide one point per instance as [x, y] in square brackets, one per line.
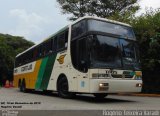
[139, 85]
[101, 85]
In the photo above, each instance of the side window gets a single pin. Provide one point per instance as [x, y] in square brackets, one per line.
[35, 53]
[18, 61]
[61, 41]
[50, 44]
[54, 47]
[44, 49]
[66, 37]
[82, 55]
[78, 29]
[79, 54]
[40, 51]
[31, 55]
[47, 47]
[74, 54]
[28, 56]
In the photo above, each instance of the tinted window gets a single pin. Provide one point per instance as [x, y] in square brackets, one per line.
[130, 54]
[74, 54]
[48, 45]
[35, 53]
[66, 37]
[82, 54]
[54, 44]
[78, 29]
[61, 41]
[128, 49]
[123, 31]
[105, 52]
[39, 50]
[79, 54]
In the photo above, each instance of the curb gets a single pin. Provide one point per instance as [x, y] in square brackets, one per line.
[138, 94]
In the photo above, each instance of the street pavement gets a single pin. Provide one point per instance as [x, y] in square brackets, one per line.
[13, 99]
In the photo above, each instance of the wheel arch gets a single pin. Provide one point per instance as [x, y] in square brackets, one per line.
[62, 75]
[19, 82]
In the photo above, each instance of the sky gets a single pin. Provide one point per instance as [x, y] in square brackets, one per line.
[35, 20]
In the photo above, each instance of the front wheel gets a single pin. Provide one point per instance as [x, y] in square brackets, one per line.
[100, 95]
[63, 88]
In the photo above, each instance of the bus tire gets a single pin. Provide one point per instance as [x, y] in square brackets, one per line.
[62, 87]
[100, 95]
[23, 86]
[19, 84]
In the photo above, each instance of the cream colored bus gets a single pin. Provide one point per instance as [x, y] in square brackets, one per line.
[91, 55]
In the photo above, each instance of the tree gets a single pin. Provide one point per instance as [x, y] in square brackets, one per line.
[100, 8]
[10, 46]
[147, 30]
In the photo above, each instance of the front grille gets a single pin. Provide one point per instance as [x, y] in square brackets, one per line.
[128, 76]
[124, 75]
[117, 75]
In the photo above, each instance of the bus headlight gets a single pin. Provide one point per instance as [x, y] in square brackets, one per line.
[103, 86]
[139, 85]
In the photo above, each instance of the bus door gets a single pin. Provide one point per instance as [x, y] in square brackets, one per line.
[82, 61]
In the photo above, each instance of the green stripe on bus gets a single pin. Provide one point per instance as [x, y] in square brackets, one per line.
[48, 71]
[41, 73]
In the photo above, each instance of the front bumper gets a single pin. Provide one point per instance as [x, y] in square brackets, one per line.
[114, 85]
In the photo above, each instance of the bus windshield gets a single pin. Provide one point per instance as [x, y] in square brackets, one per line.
[113, 45]
[106, 27]
[111, 52]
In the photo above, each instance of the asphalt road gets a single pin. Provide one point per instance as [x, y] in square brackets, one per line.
[13, 100]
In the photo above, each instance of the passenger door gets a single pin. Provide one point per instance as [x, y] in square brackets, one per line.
[82, 61]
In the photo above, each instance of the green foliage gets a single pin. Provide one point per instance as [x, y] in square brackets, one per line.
[147, 29]
[100, 8]
[10, 46]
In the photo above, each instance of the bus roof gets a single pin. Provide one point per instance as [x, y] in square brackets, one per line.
[102, 19]
[85, 17]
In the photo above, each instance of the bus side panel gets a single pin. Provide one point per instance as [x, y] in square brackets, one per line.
[15, 81]
[34, 76]
[41, 73]
[30, 78]
[47, 72]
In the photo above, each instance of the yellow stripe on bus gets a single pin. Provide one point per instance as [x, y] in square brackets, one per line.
[30, 78]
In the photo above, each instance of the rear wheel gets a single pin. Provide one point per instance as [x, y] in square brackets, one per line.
[19, 84]
[23, 86]
[100, 95]
[63, 88]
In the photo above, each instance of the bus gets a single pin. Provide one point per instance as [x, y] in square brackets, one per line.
[92, 56]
